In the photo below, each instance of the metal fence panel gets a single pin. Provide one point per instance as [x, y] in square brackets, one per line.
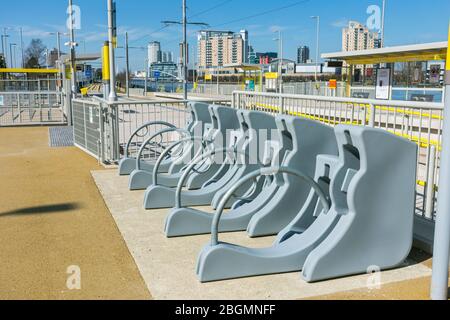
[31, 108]
[86, 126]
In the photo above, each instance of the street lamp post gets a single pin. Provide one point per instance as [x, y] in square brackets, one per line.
[58, 42]
[72, 44]
[112, 92]
[12, 59]
[21, 46]
[280, 60]
[383, 16]
[5, 37]
[317, 45]
[127, 62]
[147, 69]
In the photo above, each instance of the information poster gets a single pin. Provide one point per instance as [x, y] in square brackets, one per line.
[383, 88]
[435, 73]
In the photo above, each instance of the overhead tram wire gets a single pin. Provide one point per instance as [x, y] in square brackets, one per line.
[264, 13]
[151, 33]
[221, 4]
[252, 16]
[193, 16]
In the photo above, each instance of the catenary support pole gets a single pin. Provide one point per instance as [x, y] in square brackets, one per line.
[112, 65]
[441, 254]
[185, 53]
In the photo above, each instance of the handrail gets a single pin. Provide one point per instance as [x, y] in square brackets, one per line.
[393, 103]
[172, 101]
[31, 92]
[262, 172]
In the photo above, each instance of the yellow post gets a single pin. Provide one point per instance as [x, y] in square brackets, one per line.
[106, 74]
[105, 62]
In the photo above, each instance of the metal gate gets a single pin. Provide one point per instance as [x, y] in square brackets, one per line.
[32, 108]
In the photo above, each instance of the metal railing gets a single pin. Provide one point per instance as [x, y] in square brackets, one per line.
[416, 121]
[103, 128]
[402, 93]
[32, 108]
[28, 85]
[223, 89]
[312, 88]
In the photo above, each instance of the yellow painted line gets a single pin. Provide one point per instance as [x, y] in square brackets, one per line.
[413, 113]
[424, 184]
[422, 142]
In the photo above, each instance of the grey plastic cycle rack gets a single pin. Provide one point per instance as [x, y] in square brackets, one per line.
[224, 120]
[140, 179]
[199, 119]
[220, 119]
[366, 222]
[128, 163]
[250, 122]
[302, 140]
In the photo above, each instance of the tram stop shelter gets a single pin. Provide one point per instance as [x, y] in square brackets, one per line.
[250, 73]
[435, 52]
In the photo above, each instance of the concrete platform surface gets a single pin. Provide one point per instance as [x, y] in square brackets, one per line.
[168, 265]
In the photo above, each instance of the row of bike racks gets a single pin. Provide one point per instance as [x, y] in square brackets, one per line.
[340, 200]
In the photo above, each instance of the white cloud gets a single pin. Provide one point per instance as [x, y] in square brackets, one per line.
[341, 23]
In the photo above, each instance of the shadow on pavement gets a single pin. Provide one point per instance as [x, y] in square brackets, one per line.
[56, 208]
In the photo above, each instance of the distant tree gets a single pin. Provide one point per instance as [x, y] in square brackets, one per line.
[2, 62]
[34, 54]
[121, 79]
[98, 75]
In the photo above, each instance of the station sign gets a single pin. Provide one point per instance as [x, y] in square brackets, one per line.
[88, 72]
[271, 75]
[332, 84]
[208, 77]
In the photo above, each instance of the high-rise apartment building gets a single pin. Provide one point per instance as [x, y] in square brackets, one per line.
[154, 52]
[358, 37]
[167, 57]
[219, 48]
[246, 46]
[302, 54]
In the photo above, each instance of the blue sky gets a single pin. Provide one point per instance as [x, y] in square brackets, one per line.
[407, 22]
